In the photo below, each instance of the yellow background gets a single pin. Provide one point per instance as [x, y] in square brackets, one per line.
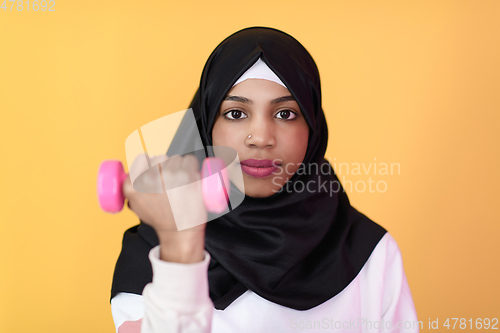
[408, 82]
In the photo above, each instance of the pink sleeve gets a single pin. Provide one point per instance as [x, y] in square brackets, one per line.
[176, 301]
[130, 327]
[127, 310]
[399, 312]
[178, 298]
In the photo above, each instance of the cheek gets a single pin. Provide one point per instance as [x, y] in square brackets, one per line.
[221, 135]
[298, 144]
[217, 134]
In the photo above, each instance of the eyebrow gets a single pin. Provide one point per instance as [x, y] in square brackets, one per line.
[245, 100]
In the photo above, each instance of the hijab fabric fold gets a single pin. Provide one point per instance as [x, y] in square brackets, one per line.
[300, 246]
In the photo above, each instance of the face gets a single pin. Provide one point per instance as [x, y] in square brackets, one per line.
[279, 134]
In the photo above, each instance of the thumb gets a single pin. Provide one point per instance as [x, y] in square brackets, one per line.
[127, 188]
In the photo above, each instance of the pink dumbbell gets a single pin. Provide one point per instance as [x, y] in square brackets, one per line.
[111, 176]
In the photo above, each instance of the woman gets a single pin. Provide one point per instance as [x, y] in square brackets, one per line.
[294, 255]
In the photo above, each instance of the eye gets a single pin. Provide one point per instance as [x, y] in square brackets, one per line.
[286, 114]
[236, 114]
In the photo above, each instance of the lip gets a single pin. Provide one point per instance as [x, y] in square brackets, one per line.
[258, 168]
[259, 163]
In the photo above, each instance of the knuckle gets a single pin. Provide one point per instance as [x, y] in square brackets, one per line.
[190, 159]
[128, 189]
[182, 176]
[181, 170]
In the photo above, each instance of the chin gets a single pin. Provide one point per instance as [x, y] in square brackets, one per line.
[259, 192]
[260, 187]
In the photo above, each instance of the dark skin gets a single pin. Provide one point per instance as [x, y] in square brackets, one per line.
[280, 133]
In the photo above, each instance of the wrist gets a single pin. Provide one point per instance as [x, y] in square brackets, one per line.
[182, 257]
[182, 250]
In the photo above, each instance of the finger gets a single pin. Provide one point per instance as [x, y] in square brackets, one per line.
[173, 163]
[157, 159]
[139, 165]
[127, 188]
[190, 163]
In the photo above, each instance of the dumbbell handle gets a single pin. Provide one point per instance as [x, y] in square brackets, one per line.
[111, 176]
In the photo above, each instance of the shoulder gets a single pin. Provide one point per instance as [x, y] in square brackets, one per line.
[387, 248]
[386, 269]
[385, 260]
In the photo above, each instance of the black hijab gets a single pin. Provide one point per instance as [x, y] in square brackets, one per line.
[296, 248]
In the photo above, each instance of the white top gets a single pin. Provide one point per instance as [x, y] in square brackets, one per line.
[377, 300]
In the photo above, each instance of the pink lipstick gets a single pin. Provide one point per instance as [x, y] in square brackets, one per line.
[258, 168]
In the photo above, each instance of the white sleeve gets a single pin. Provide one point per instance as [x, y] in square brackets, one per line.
[398, 307]
[176, 301]
[178, 298]
[127, 310]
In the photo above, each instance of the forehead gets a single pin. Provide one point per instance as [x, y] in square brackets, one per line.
[259, 88]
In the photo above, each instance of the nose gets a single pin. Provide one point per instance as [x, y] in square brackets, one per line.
[263, 135]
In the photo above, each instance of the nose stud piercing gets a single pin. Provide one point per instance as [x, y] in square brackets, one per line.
[250, 136]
